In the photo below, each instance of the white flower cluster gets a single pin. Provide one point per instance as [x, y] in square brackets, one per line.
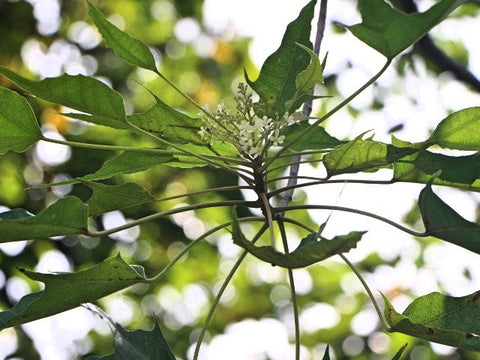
[250, 134]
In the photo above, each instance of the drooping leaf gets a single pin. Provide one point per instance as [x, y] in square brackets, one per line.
[78, 92]
[114, 197]
[67, 216]
[459, 130]
[131, 50]
[139, 345]
[362, 155]
[456, 171]
[316, 139]
[444, 223]
[19, 127]
[391, 31]
[307, 253]
[66, 291]
[168, 123]
[439, 318]
[276, 83]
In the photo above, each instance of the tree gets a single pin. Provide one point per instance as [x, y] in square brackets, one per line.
[246, 139]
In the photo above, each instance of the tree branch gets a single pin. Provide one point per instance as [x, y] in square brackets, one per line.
[430, 52]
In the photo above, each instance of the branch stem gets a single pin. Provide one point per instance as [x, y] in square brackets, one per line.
[171, 212]
[190, 153]
[291, 280]
[221, 291]
[369, 292]
[322, 182]
[200, 192]
[193, 243]
[355, 271]
[351, 210]
[268, 216]
[135, 149]
[188, 98]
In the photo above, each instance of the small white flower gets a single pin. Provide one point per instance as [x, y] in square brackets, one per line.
[203, 132]
[290, 119]
[277, 140]
[263, 122]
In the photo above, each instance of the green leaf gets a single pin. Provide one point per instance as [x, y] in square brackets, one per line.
[313, 74]
[78, 92]
[455, 171]
[459, 130]
[276, 83]
[316, 139]
[444, 223]
[19, 126]
[361, 155]
[126, 163]
[168, 123]
[66, 291]
[439, 318]
[391, 31]
[131, 50]
[422, 167]
[114, 197]
[307, 253]
[139, 345]
[67, 216]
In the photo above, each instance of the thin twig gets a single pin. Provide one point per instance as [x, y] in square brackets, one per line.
[354, 211]
[268, 216]
[187, 248]
[328, 182]
[369, 292]
[221, 291]
[291, 280]
[188, 152]
[171, 212]
[355, 271]
[200, 192]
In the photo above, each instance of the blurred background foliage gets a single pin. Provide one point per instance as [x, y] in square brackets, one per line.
[46, 38]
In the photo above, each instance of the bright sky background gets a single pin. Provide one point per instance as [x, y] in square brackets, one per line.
[435, 97]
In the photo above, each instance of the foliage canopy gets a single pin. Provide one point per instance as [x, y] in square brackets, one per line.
[252, 139]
